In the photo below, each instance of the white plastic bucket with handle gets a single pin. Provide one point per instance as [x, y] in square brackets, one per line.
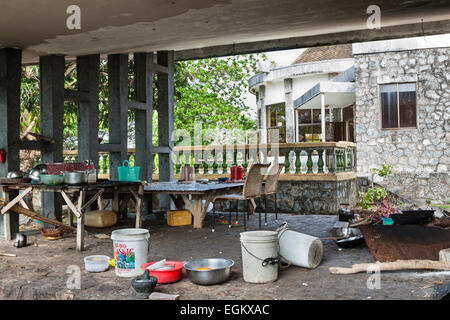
[130, 251]
[259, 256]
[300, 249]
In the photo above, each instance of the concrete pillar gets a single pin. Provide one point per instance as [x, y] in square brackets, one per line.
[117, 110]
[52, 119]
[262, 107]
[10, 75]
[289, 110]
[165, 86]
[88, 83]
[322, 113]
[143, 82]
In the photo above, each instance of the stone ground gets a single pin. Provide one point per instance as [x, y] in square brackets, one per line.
[39, 271]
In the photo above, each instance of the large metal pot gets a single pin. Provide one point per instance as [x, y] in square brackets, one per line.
[75, 177]
[208, 271]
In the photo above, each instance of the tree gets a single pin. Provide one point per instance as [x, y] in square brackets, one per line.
[213, 91]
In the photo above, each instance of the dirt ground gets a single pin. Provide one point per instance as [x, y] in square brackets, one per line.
[40, 270]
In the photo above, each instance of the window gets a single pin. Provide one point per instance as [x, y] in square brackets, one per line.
[276, 121]
[398, 105]
[309, 124]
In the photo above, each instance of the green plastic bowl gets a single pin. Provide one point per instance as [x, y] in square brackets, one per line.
[52, 179]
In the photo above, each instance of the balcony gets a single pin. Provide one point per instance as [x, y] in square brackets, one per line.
[306, 161]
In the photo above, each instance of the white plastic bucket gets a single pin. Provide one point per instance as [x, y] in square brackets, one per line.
[257, 246]
[300, 249]
[130, 251]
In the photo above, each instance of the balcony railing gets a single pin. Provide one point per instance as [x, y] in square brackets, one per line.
[304, 160]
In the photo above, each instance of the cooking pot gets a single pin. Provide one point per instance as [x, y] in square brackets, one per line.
[75, 177]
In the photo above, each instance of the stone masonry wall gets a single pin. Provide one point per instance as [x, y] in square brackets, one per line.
[306, 197]
[420, 157]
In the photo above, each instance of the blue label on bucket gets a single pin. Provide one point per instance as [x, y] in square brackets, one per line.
[124, 257]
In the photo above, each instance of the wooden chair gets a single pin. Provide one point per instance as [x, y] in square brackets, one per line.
[270, 187]
[251, 191]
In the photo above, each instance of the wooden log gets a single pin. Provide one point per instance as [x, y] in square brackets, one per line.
[42, 138]
[37, 216]
[393, 266]
[8, 254]
[163, 296]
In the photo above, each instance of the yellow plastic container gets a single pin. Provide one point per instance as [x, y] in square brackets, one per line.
[179, 218]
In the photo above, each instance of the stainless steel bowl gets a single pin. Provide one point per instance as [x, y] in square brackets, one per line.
[216, 270]
[35, 173]
[14, 174]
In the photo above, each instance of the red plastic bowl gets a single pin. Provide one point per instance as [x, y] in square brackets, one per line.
[166, 276]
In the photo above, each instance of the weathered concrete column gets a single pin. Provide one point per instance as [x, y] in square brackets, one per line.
[88, 84]
[52, 118]
[289, 111]
[143, 82]
[10, 74]
[165, 85]
[262, 108]
[117, 111]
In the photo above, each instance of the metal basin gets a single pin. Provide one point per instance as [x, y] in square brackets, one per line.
[75, 177]
[208, 271]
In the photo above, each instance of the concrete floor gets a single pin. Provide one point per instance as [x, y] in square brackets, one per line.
[39, 272]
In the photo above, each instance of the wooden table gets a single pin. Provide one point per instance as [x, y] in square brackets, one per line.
[195, 192]
[93, 191]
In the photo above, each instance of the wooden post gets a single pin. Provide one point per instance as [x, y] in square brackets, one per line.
[139, 202]
[117, 110]
[165, 85]
[10, 75]
[52, 118]
[80, 222]
[88, 83]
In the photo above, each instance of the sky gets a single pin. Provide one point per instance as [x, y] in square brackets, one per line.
[281, 58]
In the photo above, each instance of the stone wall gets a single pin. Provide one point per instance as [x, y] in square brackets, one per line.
[306, 197]
[420, 157]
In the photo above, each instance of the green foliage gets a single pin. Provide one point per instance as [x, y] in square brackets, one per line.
[375, 195]
[384, 171]
[211, 91]
[372, 196]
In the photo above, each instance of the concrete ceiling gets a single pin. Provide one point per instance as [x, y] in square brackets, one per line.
[190, 26]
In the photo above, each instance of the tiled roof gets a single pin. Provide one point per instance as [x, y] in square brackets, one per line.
[325, 53]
